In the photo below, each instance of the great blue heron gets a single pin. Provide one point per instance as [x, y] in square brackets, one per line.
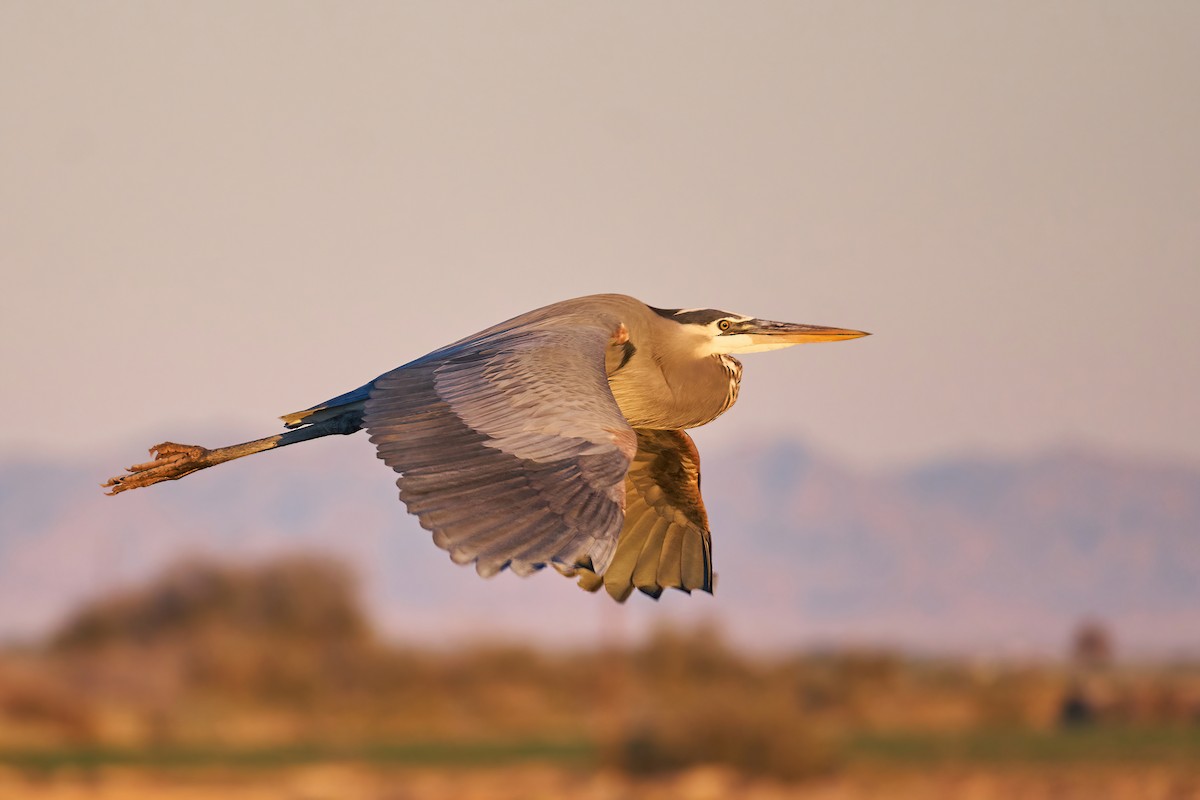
[555, 438]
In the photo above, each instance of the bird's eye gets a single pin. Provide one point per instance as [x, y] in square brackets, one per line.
[724, 325]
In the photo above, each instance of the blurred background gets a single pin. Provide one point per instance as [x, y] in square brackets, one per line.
[959, 557]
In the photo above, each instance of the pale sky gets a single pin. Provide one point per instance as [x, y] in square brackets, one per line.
[215, 213]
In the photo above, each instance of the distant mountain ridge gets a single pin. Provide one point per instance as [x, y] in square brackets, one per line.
[998, 554]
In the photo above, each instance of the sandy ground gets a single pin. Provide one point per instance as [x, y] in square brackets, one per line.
[533, 782]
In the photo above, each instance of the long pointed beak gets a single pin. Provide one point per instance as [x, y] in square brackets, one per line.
[763, 331]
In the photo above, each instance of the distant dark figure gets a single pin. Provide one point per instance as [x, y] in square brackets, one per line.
[1077, 709]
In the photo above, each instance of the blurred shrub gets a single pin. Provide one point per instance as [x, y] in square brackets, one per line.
[700, 702]
[300, 597]
[289, 631]
[1092, 645]
[38, 706]
[760, 737]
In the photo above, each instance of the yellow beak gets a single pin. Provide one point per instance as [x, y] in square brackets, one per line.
[767, 332]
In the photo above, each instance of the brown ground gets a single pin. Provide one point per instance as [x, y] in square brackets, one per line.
[530, 782]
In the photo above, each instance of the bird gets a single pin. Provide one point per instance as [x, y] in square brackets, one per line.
[556, 438]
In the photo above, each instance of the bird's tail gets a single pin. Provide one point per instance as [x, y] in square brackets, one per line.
[348, 404]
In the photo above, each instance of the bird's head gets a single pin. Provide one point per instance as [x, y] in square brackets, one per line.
[724, 332]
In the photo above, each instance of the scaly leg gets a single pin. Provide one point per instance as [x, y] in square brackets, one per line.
[173, 461]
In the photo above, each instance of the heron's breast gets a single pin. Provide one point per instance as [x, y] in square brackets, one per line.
[675, 399]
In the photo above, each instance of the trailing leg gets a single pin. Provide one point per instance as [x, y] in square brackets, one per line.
[173, 461]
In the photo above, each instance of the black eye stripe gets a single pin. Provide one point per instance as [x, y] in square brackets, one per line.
[698, 316]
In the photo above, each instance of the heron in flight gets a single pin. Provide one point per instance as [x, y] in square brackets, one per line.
[556, 438]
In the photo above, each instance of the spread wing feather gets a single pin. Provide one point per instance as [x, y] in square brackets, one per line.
[512, 450]
[665, 542]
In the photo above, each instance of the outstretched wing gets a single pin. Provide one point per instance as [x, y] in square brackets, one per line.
[510, 446]
[665, 542]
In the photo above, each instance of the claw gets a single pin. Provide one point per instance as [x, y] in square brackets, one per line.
[171, 462]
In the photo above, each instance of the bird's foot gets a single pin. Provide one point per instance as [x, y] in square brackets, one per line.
[171, 462]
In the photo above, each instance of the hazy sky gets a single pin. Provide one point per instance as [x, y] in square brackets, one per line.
[215, 213]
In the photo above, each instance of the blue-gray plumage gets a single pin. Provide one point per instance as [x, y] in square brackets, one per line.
[555, 438]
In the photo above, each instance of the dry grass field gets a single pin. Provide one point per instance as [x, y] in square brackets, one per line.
[535, 781]
[268, 682]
